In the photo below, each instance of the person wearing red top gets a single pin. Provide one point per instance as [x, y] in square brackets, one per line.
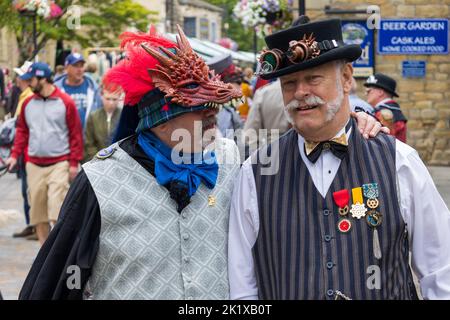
[49, 130]
[380, 91]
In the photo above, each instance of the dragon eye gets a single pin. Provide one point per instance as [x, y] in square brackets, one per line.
[191, 85]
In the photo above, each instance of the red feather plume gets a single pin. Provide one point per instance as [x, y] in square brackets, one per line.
[131, 73]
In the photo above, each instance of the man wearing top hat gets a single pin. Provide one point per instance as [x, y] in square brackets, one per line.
[339, 216]
[380, 90]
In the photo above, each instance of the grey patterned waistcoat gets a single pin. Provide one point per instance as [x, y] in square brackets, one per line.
[147, 249]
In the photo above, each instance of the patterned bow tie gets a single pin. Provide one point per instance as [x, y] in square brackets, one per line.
[338, 146]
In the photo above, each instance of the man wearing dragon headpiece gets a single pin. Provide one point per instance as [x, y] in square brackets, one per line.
[141, 221]
[148, 227]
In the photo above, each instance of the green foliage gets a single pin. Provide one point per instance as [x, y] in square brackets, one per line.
[101, 23]
[236, 31]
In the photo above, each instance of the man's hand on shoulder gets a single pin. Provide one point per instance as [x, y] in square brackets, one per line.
[368, 125]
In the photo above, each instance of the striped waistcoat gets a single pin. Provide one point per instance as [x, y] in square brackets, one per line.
[299, 252]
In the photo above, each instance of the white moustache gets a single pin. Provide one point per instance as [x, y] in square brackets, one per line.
[310, 101]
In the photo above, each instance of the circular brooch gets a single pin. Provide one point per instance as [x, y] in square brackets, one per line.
[374, 218]
[105, 153]
[344, 225]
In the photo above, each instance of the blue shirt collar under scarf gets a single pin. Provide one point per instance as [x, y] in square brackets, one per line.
[188, 169]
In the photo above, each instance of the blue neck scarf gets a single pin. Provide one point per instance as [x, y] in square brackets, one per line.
[188, 169]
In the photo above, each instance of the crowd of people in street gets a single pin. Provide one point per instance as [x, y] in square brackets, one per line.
[60, 122]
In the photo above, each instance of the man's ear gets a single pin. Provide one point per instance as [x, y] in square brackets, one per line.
[378, 93]
[347, 76]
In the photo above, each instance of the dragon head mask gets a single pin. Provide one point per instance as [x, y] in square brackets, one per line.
[185, 78]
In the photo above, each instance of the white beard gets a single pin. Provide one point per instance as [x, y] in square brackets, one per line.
[335, 105]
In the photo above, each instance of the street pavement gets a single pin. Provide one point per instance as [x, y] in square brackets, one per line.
[17, 255]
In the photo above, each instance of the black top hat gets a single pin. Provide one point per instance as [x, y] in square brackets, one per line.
[382, 81]
[305, 45]
[220, 63]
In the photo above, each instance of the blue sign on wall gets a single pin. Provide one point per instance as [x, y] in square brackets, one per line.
[356, 32]
[413, 36]
[413, 69]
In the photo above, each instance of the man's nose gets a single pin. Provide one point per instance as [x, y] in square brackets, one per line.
[302, 91]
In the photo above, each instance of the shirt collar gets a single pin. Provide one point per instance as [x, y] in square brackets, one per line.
[55, 94]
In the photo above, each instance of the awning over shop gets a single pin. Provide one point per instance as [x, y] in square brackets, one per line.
[207, 50]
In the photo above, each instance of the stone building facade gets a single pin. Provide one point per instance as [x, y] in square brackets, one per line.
[198, 18]
[425, 102]
[8, 49]
[204, 20]
[9, 52]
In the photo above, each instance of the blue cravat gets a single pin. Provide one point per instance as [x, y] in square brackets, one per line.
[193, 169]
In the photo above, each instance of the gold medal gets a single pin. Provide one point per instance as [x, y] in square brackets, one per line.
[341, 198]
[373, 217]
[343, 211]
[373, 203]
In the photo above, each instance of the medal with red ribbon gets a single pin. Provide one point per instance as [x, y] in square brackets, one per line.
[342, 198]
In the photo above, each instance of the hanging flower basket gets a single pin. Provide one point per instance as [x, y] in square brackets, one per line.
[254, 13]
[43, 8]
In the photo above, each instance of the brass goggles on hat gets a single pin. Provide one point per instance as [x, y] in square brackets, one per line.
[299, 51]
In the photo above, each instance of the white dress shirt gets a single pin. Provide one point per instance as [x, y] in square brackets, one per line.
[422, 208]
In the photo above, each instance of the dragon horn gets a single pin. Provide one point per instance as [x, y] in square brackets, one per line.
[165, 61]
[169, 53]
[182, 40]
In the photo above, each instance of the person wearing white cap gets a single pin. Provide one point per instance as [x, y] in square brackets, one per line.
[23, 86]
[49, 131]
